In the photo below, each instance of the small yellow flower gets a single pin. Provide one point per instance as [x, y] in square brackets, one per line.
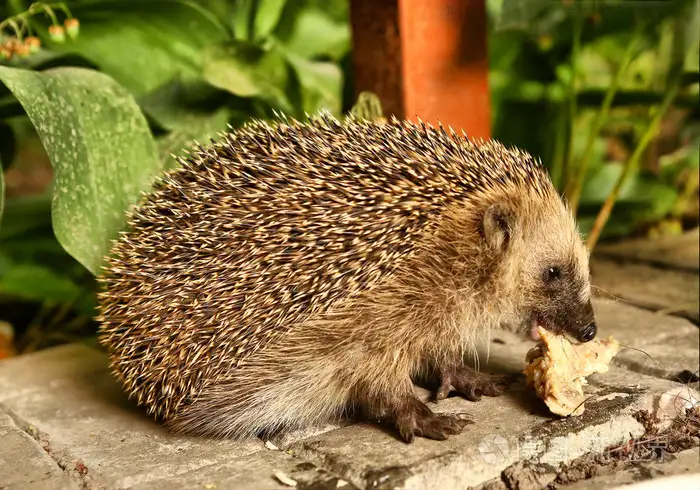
[22, 50]
[33, 43]
[72, 27]
[57, 34]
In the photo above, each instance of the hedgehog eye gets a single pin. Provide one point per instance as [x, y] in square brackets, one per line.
[552, 274]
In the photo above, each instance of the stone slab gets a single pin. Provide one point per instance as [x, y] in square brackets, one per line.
[25, 465]
[67, 400]
[670, 251]
[653, 343]
[264, 470]
[514, 427]
[686, 463]
[670, 291]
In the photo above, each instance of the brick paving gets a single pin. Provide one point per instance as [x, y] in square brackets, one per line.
[64, 423]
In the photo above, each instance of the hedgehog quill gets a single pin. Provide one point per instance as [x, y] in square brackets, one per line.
[299, 271]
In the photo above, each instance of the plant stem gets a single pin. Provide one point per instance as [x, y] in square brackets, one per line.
[15, 27]
[35, 8]
[575, 55]
[47, 8]
[575, 185]
[631, 163]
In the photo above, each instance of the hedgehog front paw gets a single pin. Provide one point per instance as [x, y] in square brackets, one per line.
[471, 384]
[416, 419]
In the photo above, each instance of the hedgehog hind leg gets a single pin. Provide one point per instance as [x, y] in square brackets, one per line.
[409, 416]
[260, 400]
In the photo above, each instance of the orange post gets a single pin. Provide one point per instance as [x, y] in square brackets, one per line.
[425, 58]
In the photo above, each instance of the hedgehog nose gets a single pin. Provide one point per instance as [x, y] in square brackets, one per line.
[588, 333]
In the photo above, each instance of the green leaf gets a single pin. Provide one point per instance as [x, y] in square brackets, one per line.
[100, 147]
[242, 21]
[143, 44]
[197, 127]
[174, 103]
[520, 14]
[247, 70]
[652, 198]
[312, 33]
[2, 192]
[37, 283]
[256, 19]
[267, 16]
[368, 106]
[321, 84]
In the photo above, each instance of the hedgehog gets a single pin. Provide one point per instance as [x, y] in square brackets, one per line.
[292, 273]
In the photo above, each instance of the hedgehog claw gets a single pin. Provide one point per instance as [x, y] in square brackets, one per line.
[471, 384]
[416, 419]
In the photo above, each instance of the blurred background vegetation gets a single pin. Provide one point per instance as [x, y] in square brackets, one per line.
[605, 93]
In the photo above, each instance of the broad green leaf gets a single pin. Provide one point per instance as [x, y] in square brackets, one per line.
[38, 283]
[651, 197]
[267, 16]
[199, 127]
[321, 84]
[312, 33]
[2, 192]
[256, 19]
[222, 9]
[174, 103]
[601, 181]
[368, 106]
[102, 152]
[242, 21]
[247, 70]
[143, 44]
[336, 10]
[689, 43]
[520, 14]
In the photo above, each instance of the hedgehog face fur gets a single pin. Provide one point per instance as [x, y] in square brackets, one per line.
[545, 264]
[292, 273]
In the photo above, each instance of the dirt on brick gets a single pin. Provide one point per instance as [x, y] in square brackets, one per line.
[653, 446]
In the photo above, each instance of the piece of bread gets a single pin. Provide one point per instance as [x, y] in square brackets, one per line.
[558, 369]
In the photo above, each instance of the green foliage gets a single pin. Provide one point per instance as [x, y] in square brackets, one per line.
[631, 56]
[143, 44]
[101, 150]
[248, 70]
[2, 189]
[143, 79]
[140, 82]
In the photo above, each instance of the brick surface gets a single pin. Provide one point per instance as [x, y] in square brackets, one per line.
[71, 423]
[672, 251]
[67, 399]
[675, 292]
[511, 428]
[682, 468]
[25, 465]
[656, 344]
[258, 471]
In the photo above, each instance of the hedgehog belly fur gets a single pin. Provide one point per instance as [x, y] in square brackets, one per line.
[296, 270]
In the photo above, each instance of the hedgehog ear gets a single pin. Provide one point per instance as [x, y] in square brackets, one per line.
[497, 226]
